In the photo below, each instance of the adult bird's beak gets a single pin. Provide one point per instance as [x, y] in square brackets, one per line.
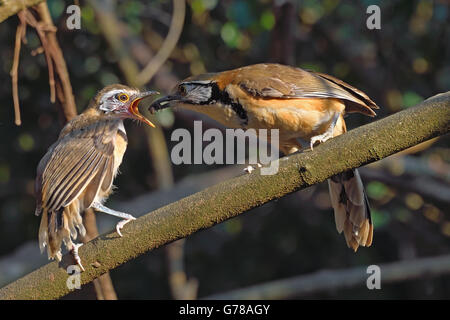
[134, 110]
[163, 102]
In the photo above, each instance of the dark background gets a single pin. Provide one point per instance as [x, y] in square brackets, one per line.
[398, 66]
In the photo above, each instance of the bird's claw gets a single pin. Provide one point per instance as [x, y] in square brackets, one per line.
[121, 224]
[250, 169]
[320, 138]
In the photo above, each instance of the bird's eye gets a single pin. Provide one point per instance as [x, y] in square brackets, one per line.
[123, 97]
[183, 90]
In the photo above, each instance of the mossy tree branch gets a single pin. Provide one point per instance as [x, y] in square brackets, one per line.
[230, 198]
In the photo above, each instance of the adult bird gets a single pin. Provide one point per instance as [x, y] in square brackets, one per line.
[78, 170]
[303, 105]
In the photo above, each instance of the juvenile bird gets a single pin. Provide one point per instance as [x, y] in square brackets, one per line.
[78, 170]
[303, 105]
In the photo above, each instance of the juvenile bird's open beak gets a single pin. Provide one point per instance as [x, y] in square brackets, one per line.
[163, 102]
[134, 110]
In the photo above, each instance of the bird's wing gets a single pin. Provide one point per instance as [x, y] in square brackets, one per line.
[81, 161]
[279, 81]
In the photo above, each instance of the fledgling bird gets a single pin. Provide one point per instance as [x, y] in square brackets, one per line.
[303, 105]
[78, 170]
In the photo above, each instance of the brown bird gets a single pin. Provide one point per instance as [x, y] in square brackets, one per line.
[303, 105]
[78, 170]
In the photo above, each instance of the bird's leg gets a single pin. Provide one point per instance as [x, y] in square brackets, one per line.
[127, 217]
[75, 255]
[327, 134]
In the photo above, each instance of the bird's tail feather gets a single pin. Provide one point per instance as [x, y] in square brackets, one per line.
[351, 208]
[59, 226]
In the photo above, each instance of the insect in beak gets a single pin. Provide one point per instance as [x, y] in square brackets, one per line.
[134, 110]
[163, 103]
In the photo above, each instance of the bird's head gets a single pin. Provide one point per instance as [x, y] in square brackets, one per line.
[122, 102]
[195, 91]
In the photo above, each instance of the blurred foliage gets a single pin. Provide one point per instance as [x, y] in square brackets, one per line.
[401, 64]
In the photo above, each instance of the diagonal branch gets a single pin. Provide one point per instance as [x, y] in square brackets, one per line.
[64, 88]
[230, 198]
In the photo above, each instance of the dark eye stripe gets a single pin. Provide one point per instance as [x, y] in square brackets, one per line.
[224, 98]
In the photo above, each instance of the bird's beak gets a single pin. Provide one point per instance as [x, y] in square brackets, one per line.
[163, 102]
[134, 110]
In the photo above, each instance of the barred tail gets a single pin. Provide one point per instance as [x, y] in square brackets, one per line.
[351, 208]
[59, 226]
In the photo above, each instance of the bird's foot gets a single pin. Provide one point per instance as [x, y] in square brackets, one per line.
[121, 224]
[75, 255]
[320, 138]
[327, 134]
[250, 169]
[125, 216]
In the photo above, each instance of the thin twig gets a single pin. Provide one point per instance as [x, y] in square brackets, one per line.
[20, 33]
[27, 18]
[46, 24]
[40, 29]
